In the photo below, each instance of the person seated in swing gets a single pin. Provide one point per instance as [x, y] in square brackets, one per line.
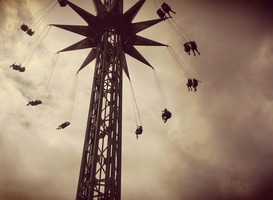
[166, 115]
[139, 131]
[63, 125]
[189, 84]
[24, 27]
[22, 69]
[15, 67]
[161, 14]
[34, 103]
[167, 9]
[195, 84]
[187, 48]
[30, 32]
[194, 47]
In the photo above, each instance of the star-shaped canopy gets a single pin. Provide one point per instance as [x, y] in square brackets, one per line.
[103, 21]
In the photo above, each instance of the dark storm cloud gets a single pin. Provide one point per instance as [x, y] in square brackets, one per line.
[232, 158]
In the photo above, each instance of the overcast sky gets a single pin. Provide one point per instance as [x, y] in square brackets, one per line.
[218, 144]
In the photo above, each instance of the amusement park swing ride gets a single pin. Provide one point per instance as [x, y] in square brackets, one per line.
[110, 35]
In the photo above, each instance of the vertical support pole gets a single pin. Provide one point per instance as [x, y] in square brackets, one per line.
[100, 173]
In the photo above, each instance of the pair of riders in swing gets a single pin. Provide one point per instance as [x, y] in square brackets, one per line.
[18, 67]
[26, 29]
[34, 103]
[192, 83]
[191, 45]
[165, 9]
[63, 125]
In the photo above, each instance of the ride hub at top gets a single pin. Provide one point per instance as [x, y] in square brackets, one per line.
[110, 17]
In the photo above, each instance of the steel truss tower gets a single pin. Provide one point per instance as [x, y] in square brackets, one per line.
[110, 34]
[100, 172]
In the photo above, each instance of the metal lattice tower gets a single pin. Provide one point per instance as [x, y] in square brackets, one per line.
[110, 34]
[101, 160]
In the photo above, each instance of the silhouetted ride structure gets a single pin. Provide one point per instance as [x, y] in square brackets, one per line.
[110, 34]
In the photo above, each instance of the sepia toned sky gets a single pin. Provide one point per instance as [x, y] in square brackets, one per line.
[218, 144]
